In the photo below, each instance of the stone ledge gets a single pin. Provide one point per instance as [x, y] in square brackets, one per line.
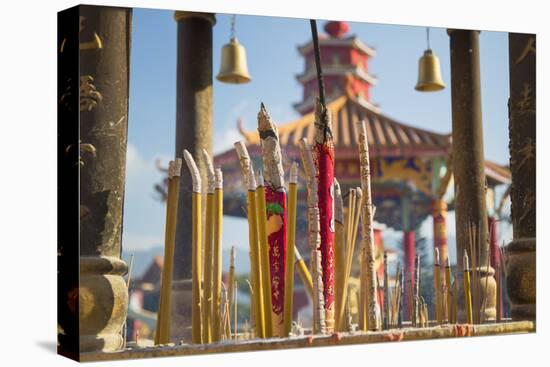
[438, 332]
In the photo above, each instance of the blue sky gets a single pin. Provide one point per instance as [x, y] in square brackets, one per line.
[273, 62]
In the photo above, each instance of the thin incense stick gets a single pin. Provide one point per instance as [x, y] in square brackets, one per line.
[208, 311]
[437, 288]
[303, 272]
[368, 234]
[416, 294]
[231, 277]
[448, 290]
[261, 216]
[339, 257]
[467, 290]
[386, 293]
[276, 202]
[165, 315]
[291, 240]
[196, 249]
[314, 238]
[217, 256]
[255, 259]
[235, 317]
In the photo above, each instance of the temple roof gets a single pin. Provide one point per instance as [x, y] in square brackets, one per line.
[351, 40]
[387, 137]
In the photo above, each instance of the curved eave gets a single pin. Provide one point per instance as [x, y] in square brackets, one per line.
[352, 41]
[338, 70]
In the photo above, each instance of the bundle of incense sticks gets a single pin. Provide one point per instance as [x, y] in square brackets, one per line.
[479, 263]
[367, 209]
[162, 335]
[396, 299]
[323, 153]
[449, 292]
[255, 258]
[347, 251]
[276, 211]
[314, 238]
[196, 248]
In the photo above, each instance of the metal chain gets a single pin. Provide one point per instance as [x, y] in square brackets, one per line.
[232, 31]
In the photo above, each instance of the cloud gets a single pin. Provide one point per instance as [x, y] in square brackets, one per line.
[143, 213]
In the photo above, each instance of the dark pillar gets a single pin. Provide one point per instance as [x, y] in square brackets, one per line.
[194, 133]
[468, 159]
[521, 260]
[104, 79]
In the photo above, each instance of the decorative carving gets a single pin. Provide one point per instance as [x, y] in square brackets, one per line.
[89, 95]
[530, 47]
[526, 98]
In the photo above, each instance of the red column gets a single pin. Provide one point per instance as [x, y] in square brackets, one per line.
[409, 247]
[495, 255]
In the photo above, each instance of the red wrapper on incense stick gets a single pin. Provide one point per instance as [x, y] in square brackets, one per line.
[323, 153]
[276, 214]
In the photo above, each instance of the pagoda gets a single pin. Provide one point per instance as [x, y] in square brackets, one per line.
[410, 167]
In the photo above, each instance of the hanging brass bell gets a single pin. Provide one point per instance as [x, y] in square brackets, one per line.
[429, 73]
[233, 68]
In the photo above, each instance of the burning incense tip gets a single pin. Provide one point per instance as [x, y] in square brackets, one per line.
[260, 179]
[170, 169]
[177, 167]
[297, 254]
[448, 262]
[436, 255]
[466, 261]
[293, 173]
[251, 179]
[211, 177]
[307, 158]
[219, 178]
[195, 174]
[338, 203]
[232, 256]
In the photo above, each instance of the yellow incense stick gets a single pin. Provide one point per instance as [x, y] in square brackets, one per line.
[303, 272]
[207, 309]
[437, 286]
[256, 259]
[290, 240]
[257, 301]
[196, 249]
[162, 333]
[217, 264]
[261, 215]
[467, 290]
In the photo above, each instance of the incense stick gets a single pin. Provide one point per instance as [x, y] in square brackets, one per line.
[291, 240]
[367, 220]
[339, 257]
[264, 253]
[217, 256]
[231, 278]
[314, 238]
[386, 293]
[208, 310]
[164, 316]
[276, 202]
[303, 272]
[196, 250]
[323, 150]
[255, 258]
[467, 290]
[437, 288]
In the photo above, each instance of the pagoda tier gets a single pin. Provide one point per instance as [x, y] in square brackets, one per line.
[345, 68]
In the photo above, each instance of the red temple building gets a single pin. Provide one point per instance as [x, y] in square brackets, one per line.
[410, 167]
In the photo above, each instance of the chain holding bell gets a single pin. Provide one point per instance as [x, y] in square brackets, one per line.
[233, 68]
[429, 73]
